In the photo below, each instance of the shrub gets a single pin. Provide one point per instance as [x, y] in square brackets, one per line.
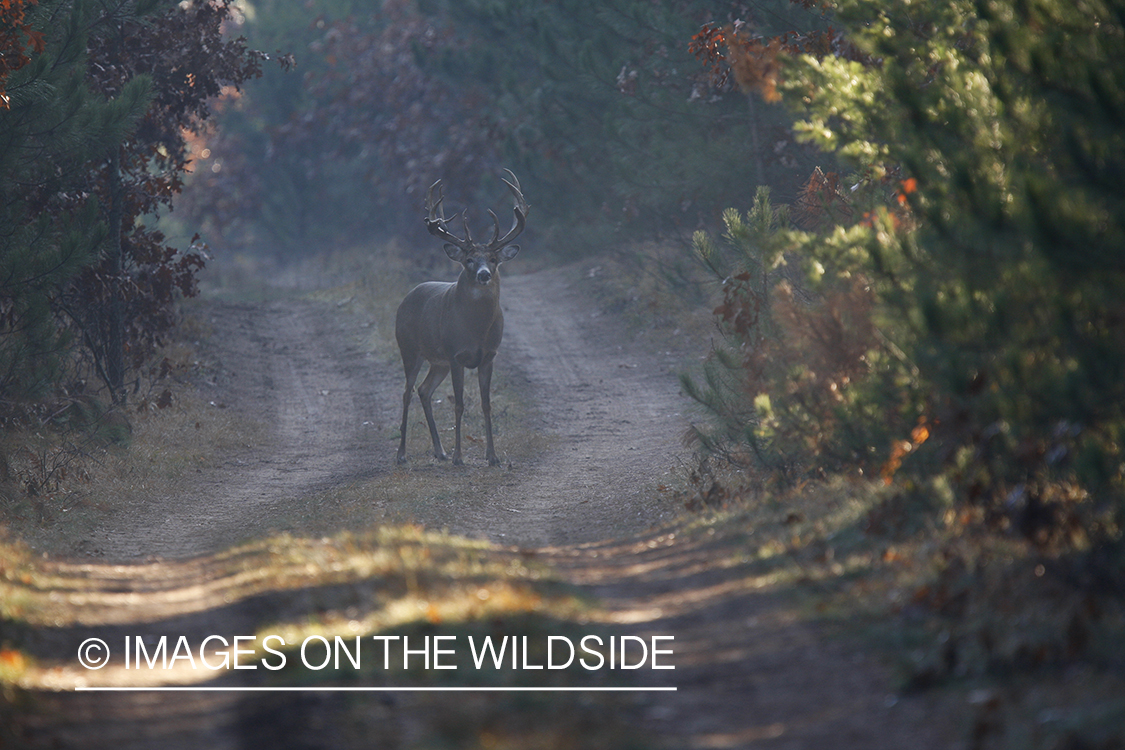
[987, 136]
[802, 382]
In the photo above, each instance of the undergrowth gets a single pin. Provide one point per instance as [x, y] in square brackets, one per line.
[987, 545]
[1016, 628]
[68, 461]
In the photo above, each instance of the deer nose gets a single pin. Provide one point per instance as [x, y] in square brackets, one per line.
[484, 275]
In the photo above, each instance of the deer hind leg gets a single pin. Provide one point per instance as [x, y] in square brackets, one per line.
[412, 365]
[434, 376]
[484, 376]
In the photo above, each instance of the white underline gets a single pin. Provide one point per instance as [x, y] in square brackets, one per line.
[214, 689]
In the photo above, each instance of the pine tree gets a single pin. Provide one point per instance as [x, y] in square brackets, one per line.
[991, 129]
[93, 141]
[50, 227]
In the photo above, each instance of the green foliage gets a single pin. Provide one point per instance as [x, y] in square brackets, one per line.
[803, 383]
[93, 139]
[35, 267]
[986, 218]
[54, 125]
[987, 133]
[1007, 116]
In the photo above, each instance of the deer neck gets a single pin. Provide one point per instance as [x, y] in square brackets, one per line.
[472, 294]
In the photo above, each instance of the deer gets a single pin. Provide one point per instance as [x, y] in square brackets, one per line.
[457, 325]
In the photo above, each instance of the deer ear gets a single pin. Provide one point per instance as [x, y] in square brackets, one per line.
[509, 252]
[455, 253]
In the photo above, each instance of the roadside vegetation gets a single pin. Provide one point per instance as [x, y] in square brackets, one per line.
[897, 228]
[940, 315]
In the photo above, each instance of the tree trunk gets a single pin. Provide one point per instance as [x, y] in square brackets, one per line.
[115, 334]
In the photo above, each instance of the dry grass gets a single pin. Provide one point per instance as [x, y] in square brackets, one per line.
[658, 289]
[81, 478]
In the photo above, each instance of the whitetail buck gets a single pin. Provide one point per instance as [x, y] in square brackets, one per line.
[457, 325]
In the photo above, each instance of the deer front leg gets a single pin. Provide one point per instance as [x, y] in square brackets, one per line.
[412, 365]
[458, 410]
[484, 375]
[401, 458]
[434, 376]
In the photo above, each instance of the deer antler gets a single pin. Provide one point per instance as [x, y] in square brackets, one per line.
[435, 218]
[465, 224]
[495, 228]
[520, 210]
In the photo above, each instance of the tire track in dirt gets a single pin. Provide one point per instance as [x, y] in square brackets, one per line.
[292, 366]
[612, 414]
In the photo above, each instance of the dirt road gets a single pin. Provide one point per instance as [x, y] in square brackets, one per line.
[612, 412]
[607, 417]
[589, 423]
[290, 366]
